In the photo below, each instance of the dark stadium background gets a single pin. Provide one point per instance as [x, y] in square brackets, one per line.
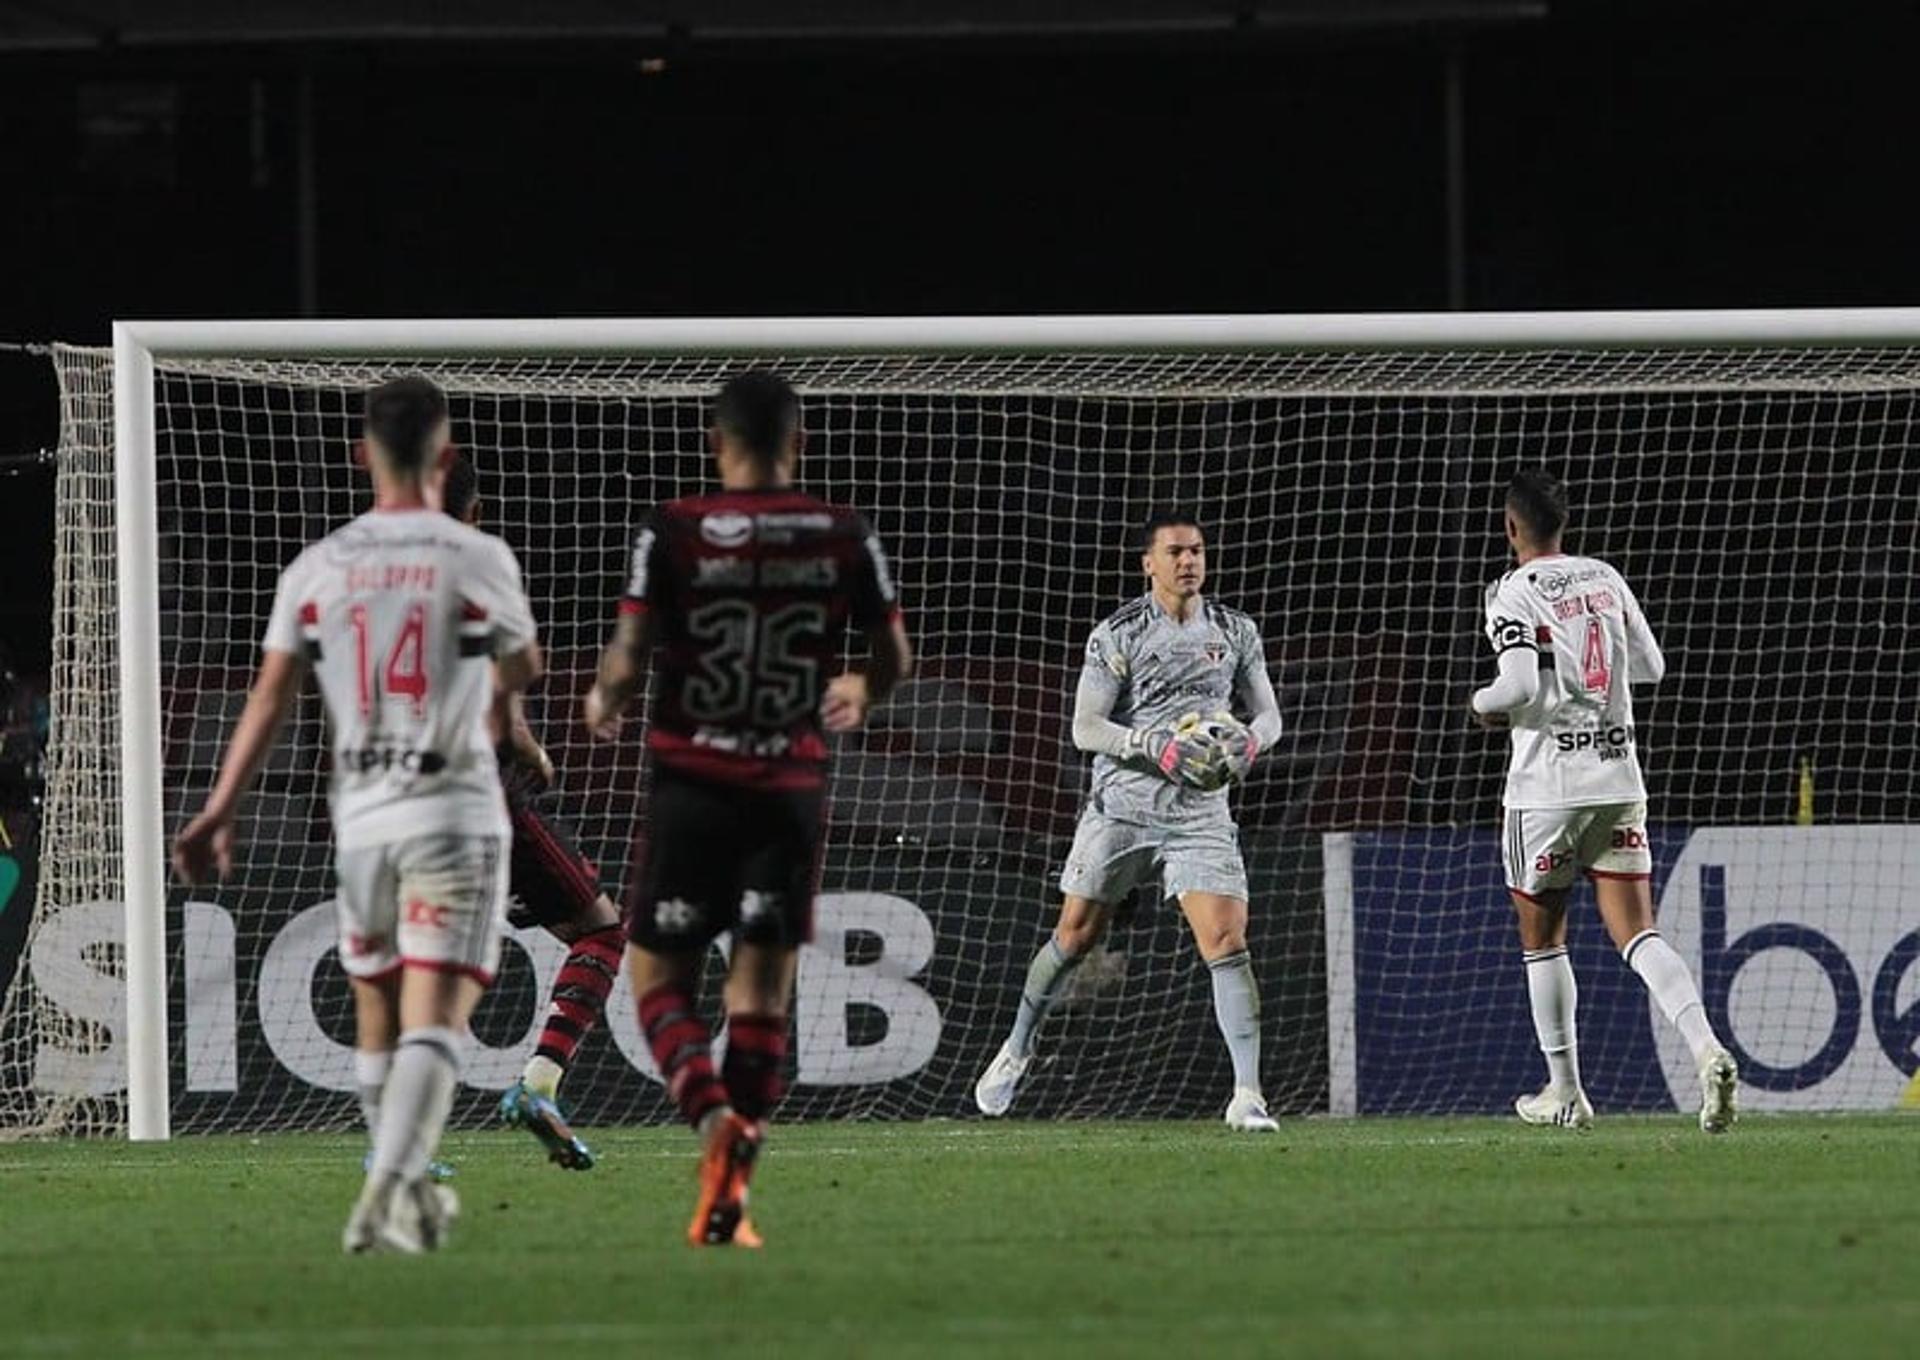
[192, 160]
[1169, 156]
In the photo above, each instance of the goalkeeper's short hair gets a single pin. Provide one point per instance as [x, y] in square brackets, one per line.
[1165, 519]
[1538, 500]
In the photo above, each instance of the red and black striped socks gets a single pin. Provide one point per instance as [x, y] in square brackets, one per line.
[754, 1070]
[682, 1049]
[579, 995]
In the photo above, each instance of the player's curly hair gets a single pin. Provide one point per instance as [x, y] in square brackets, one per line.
[1538, 500]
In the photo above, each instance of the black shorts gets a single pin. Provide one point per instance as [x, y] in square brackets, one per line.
[550, 883]
[717, 858]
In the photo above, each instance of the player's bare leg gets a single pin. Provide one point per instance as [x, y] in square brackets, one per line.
[400, 1209]
[1554, 996]
[1219, 926]
[1082, 925]
[1626, 905]
[575, 1005]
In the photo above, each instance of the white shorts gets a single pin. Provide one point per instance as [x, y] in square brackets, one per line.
[1543, 848]
[1109, 859]
[436, 902]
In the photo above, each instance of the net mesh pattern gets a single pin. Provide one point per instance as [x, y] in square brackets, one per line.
[1760, 501]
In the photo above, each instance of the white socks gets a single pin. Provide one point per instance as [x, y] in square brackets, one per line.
[1236, 1005]
[418, 1097]
[1551, 989]
[1671, 982]
[370, 1078]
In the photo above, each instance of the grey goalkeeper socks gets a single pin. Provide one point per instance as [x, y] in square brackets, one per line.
[1046, 977]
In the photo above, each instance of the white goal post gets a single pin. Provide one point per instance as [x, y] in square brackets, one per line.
[1820, 342]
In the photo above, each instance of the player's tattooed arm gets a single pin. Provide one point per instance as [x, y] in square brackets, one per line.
[889, 661]
[205, 846]
[622, 672]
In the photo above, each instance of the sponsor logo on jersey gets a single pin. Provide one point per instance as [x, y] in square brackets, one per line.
[1611, 742]
[366, 759]
[1552, 585]
[421, 912]
[785, 526]
[744, 742]
[727, 529]
[642, 553]
[756, 905]
[675, 916]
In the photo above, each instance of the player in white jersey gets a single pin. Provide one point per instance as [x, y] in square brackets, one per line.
[419, 633]
[1165, 656]
[1571, 640]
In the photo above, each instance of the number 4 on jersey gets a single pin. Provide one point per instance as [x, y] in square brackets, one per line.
[1595, 672]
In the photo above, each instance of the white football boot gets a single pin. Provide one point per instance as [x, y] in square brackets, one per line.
[1719, 1080]
[1247, 1112]
[1555, 1108]
[370, 1211]
[419, 1219]
[993, 1093]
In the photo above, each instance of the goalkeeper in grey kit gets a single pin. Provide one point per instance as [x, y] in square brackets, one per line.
[1154, 707]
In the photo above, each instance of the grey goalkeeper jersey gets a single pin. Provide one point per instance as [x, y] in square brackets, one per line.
[1145, 670]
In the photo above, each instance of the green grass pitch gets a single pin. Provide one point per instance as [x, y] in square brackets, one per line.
[1399, 1238]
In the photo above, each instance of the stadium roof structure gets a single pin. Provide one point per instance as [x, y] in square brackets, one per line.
[82, 25]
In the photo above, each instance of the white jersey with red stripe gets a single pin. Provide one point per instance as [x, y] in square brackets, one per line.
[1574, 743]
[400, 614]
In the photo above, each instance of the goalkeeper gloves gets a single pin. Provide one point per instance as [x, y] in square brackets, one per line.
[1182, 754]
[1237, 752]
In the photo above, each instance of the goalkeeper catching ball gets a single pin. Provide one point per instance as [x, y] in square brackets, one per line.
[1153, 707]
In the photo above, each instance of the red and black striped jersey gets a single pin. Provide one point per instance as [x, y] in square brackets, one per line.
[750, 594]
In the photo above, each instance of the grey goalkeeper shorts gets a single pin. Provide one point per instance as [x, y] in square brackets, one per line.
[1110, 859]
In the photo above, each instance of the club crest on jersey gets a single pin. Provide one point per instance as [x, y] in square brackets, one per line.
[1216, 653]
[727, 529]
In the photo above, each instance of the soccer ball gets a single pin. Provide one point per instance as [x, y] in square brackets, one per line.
[1223, 737]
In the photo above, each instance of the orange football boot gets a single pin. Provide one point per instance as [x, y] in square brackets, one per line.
[720, 1214]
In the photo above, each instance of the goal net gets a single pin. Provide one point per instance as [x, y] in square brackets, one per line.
[1759, 499]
